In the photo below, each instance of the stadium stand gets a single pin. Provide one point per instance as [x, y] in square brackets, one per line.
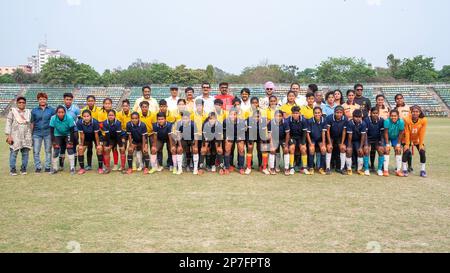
[7, 95]
[444, 93]
[100, 93]
[415, 95]
[55, 94]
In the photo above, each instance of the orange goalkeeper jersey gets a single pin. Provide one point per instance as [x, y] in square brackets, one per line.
[415, 131]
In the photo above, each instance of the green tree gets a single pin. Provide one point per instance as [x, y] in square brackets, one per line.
[7, 79]
[59, 71]
[308, 75]
[419, 69]
[344, 70]
[210, 71]
[444, 74]
[85, 74]
[393, 64]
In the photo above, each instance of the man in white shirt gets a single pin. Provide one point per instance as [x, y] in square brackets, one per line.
[270, 88]
[208, 100]
[245, 100]
[146, 96]
[300, 100]
[172, 101]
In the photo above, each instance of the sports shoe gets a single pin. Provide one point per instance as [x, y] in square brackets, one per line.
[221, 171]
[405, 173]
[231, 169]
[410, 169]
[248, 171]
[100, 171]
[171, 168]
[311, 171]
[328, 172]
[399, 174]
[129, 171]
[340, 171]
[72, 171]
[139, 169]
[266, 172]
[306, 172]
[179, 172]
[152, 171]
[81, 171]
[367, 173]
[386, 173]
[174, 170]
[277, 170]
[292, 171]
[322, 171]
[273, 172]
[146, 171]
[302, 170]
[38, 170]
[195, 172]
[241, 171]
[360, 172]
[88, 168]
[380, 173]
[52, 172]
[423, 174]
[349, 172]
[213, 169]
[106, 171]
[120, 169]
[201, 172]
[13, 173]
[226, 172]
[160, 169]
[23, 172]
[48, 170]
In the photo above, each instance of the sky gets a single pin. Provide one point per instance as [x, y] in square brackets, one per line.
[230, 34]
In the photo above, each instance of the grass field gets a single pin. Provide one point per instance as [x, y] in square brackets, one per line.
[166, 213]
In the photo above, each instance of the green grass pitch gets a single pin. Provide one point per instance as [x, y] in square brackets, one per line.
[212, 213]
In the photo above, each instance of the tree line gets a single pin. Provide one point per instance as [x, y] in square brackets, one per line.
[340, 70]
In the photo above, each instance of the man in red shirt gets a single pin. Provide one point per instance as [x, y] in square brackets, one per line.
[225, 97]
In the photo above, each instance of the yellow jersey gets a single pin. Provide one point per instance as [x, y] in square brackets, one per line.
[199, 119]
[148, 121]
[94, 111]
[170, 117]
[307, 111]
[124, 119]
[287, 108]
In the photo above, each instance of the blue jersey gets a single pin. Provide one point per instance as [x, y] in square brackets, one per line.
[113, 129]
[356, 130]
[280, 134]
[336, 126]
[315, 129]
[375, 129]
[162, 132]
[73, 111]
[394, 129]
[88, 129]
[137, 131]
[297, 128]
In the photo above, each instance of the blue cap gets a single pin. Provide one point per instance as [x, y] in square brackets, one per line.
[173, 86]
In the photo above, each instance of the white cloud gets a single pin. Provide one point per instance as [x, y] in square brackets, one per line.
[374, 2]
[73, 3]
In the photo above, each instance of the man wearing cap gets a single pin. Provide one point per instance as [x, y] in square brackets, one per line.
[146, 96]
[172, 101]
[208, 100]
[224, 95]
[270, 88]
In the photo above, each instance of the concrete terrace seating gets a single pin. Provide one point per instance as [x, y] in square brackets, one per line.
[415, 95]
[444, 93]
[7, 95]
[100, 93]
[55, 95]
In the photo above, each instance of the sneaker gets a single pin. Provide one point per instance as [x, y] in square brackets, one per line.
[213, 169]
[301, 170]
[405, 173]
[120, 169]
[386, 173]
[266, 172]
[88, 168]
[248, 171]
[106, 171]
[53, 172]
[38, 170]
[160, 169]
[306, 172]
[360, 172]
[380, 173]
[241, 171]
[139, 169]
[81, 171]
[273, 172]
[171, 168]
[201, 172]
[188, 169]
[23, 172]
[340, 171]
[195, 172]
[152, 171]
[179, 172]
[423, 174]
[292, 171]
[221, 171]
[372, 169]
[146, 171]
[311, 171]
[328, 172]
[129, 171]
[48, 170]
[322, 171]
[226, 172]
[72, 171]
[410, 169]
[349, 172]
[399, 174]
[134, 169]
[174, 170]
[13, 173]
[100, 171]
[231, 169]
[277, 170]
[367, 173]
